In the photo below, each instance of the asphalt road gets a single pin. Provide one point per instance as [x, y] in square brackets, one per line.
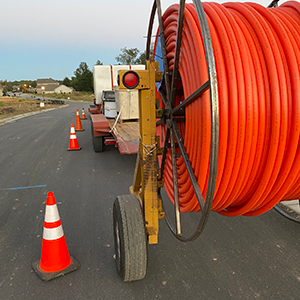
[235, 258]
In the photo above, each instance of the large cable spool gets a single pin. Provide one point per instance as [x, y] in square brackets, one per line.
[256, 52]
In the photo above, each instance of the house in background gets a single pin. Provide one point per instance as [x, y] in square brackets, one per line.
[50, 86]
[63, 89]
[16, 88]
[46, 86]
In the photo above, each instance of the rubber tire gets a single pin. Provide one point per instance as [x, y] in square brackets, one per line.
[130, 238]
[98, 141]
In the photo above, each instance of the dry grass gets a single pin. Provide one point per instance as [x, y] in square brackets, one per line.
[17, 106]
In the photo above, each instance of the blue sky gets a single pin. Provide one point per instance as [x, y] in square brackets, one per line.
[42, 39]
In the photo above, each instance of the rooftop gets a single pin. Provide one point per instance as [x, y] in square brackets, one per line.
[46, 81]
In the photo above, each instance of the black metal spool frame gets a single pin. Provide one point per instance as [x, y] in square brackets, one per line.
[170, 112]
[170, 116]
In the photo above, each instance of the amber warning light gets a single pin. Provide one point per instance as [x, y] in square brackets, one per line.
[131, 79]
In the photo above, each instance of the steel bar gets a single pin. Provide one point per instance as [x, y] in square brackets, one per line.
[282, 209]
[177, 52]
[189, 167]
[191, 98]
[164, 99]
[161, 121]
[204, 213]
[175, 184]
[176, 146]
[212, 74]
[164, 155]
[150, 27]
[163, 45]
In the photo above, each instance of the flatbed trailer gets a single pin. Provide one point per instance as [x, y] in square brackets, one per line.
[123, 135]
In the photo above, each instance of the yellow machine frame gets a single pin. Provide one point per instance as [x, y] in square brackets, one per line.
[146, 175]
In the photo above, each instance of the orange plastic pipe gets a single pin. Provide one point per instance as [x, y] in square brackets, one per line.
[257, 56]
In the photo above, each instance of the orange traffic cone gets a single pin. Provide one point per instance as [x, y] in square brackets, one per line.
[73, 144]
[83, 117]
[55, 259]
[78, 122]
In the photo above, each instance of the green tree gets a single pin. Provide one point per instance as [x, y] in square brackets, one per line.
[9, 86]
[66, 81]
[141, 60]
[32, 83]
[131, 56]
[99, 63]
[83, 80]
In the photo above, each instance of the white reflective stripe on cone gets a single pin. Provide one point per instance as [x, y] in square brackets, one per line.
[73, 137]
[53, 233]
[72, 130]
[51, 214]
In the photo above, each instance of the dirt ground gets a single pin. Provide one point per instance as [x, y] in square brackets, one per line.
[17, 106]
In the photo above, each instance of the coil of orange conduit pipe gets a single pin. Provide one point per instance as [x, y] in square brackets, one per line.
[257, 56]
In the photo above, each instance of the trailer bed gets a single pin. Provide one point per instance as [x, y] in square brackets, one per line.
[126, 135]
[128, 131]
